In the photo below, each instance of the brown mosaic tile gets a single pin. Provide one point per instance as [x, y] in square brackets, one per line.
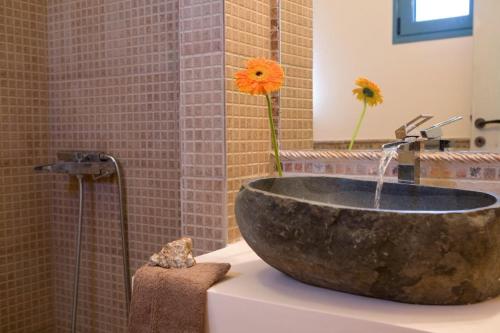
[461, 172]
[299, 167]
[438, 170]
[202, 121]
[26, 303]
[114, 87]
[489, 173]
[150, 82]
[287, 166]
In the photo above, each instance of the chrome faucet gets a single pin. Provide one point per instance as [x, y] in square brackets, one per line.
[409, 146]
[94, 164]
[98, 165]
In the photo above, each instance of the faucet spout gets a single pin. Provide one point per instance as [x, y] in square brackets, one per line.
[408, 159]
[409, 146]
[409, 162]
[393, 145]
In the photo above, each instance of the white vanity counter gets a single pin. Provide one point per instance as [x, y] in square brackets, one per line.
[256, 298]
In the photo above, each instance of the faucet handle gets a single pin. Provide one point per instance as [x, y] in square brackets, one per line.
[435, 130]
[403, 131]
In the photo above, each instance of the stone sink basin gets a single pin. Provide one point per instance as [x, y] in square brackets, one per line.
[426, 245]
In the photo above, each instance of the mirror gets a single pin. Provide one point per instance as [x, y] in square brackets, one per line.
[442, 77]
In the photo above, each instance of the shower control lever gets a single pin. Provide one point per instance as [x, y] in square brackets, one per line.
[80, 163]
[404, 131]
[435, 131]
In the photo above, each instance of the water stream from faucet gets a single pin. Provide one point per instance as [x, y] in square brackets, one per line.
[387, 155]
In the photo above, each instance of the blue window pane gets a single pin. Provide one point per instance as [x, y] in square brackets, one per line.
[427, 10]
[419, 20]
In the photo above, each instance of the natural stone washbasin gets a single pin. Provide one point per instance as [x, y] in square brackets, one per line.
[426, 245]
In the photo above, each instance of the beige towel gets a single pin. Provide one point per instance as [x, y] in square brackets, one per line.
[172, 300]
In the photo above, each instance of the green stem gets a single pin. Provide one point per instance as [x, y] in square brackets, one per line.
[358, 125]
[273, 136]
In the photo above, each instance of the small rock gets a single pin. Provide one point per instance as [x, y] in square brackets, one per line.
[176, 254]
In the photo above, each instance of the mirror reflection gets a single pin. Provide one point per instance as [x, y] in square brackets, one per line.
[428, 57]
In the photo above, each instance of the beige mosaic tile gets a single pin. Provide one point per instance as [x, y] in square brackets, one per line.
[248, 35]
[296, 58]
[283, 31]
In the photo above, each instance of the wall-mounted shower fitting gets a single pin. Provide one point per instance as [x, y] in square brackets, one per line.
[74, 163]
[97, 165]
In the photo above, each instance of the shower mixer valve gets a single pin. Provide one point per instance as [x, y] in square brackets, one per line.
[97, 165]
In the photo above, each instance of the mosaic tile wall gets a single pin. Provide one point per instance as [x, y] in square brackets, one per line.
[296, 131]
[151, 82]
[25, 268]
[276, 56]
[247, 31]
[114, 87]
[202, 124]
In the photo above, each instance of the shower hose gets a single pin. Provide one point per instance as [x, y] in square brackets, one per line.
[126, 271]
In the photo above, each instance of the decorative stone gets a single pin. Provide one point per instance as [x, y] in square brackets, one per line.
[176, 254]
[426, 245]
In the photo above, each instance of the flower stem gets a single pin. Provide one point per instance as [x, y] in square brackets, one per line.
[273, 136]
[358, 125]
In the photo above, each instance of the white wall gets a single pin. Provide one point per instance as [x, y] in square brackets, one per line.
[486, 81]
[354, 38]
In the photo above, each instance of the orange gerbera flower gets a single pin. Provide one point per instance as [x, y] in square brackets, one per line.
[368, 91]
[261, 76]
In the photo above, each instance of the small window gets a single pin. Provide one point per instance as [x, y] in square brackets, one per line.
[417, 20]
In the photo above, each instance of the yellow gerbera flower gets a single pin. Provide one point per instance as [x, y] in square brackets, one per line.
[261, 76]
[368, 91]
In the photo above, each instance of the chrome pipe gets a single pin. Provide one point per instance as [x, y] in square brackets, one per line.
[393, 145]
[123, 230]
[98, 165]
[78, 255]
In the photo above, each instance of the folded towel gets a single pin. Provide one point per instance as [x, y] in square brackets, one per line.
[172, 300]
